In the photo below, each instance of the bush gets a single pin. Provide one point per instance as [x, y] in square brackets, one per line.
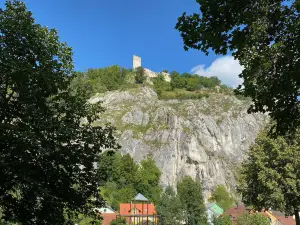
[193, 82]
[251, 219]
[140, 75]
[222, 197]
[118, 221]
[160, 84]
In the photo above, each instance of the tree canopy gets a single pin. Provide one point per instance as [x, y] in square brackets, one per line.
[250, 219]
[170, 208]
[222, 197]
[190, 194]
[222, 220]
[264, 36]
[125, 178]
[140, 75]
[47, 152]
[269, 178]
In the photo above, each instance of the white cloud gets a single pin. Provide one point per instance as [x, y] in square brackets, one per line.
[226, 68]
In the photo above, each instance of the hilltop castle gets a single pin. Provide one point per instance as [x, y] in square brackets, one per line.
[137, 62]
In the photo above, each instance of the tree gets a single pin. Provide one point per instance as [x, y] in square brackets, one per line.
[222, 220]
[190, 194]
[108, 166]
[263, 36]
[169, 207]
[250, 219]
[47, 152]
[222, 198]
[127, 171]
[140, 75]
[177, 81]
[269, 178]
[100, 80]
[114, 195]
[148, 178]
[160, 84]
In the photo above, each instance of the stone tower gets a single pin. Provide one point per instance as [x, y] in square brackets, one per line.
[136, 62]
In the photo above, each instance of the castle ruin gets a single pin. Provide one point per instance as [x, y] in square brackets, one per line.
[137, 62]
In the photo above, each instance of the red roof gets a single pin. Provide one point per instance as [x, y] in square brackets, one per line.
[286, 220]
[141, 209]
[108, 217]
[236, 211]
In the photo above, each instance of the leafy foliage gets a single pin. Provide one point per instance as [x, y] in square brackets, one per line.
[148, 177]
[140, 75]
[160, 84]
[250, 219]
[118, 221]
[222, 220]
[192, 82]
[170, 208]
[101, 80]
[222, 198]
[190, 194]
[268, 178]
[125, 178]
[47, 153]
[263, 36]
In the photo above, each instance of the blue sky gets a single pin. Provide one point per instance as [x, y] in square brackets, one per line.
[109, 32]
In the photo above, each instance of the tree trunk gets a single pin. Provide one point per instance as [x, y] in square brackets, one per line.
[297, 218]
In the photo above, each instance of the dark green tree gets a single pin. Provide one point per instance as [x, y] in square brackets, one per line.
[108, 166]
[268, 177]
[127, 174]
[263, 35]
[222, 197]
[140, 75]
[148, 177]
[251, 219]
[222, 220]
[47, 153]
[114, 195]
[177, 81]
[169, 207]
[190, 194]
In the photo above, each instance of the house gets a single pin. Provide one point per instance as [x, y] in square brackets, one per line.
[281, 219]
[107, 214]
[213, 210]
[275, 217]
[138, 211]
[236, 211]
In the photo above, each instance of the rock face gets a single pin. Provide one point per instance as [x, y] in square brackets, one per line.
[204, 138]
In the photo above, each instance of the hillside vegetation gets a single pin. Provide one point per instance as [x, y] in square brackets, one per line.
[182, 86]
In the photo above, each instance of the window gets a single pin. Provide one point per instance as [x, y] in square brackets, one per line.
[104, 210]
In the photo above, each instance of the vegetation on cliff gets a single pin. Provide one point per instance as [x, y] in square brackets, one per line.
[182, 86]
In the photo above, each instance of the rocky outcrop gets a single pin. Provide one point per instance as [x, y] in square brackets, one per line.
[204, 138]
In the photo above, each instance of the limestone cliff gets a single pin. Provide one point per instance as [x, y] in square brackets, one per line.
[205, 138]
